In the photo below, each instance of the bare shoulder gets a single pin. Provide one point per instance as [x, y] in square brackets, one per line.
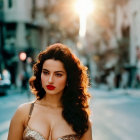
[88, 133]
[24, 107]
[22, 112]
[18, 122]
[90, 123]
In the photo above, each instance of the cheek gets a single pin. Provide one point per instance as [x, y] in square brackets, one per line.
[62, 82]
[43, 79]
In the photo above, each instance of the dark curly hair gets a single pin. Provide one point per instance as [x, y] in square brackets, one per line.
[75, 97]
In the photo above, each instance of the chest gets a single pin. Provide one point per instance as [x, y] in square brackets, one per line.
[49, 123]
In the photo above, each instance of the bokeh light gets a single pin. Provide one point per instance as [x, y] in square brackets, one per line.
[83, 8]
[22, 56]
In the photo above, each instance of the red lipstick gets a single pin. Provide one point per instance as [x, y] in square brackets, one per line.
[50, 87]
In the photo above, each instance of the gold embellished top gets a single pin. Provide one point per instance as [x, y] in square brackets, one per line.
[30, 134]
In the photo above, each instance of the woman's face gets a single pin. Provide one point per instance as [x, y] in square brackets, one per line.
[53, 76]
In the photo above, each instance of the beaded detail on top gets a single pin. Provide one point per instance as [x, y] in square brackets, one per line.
[30, 134]
[69, 137]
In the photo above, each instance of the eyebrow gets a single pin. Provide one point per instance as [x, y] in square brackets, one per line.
[55, 71]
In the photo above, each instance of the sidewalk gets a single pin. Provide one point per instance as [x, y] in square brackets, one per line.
[17, 91]
[104, 91]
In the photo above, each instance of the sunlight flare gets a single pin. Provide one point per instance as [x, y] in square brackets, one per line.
[83, 8]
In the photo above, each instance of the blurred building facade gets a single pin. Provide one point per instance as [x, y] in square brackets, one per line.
[18, 32]
[29, 26]
[113, 39]
[111, 43]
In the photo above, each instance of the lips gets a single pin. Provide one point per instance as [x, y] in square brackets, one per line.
[50, 87]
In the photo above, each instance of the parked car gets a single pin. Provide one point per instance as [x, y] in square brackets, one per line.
[5, 82]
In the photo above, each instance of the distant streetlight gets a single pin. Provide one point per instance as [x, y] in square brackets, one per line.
[83, 8]
[22, 56]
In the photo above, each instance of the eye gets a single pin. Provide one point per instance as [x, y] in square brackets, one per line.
[58, 74]
[45, 72]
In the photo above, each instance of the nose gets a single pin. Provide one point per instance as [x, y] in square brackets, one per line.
[50, 79]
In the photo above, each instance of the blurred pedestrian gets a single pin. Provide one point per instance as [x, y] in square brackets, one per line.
[60, 111]
[124, 78]
[138, 74]
[6, 77]
[25, 79]
[111, 80]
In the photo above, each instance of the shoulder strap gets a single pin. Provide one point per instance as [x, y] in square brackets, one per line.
[30, 113]
[31, 109]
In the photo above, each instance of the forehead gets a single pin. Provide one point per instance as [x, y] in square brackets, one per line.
[52, 64]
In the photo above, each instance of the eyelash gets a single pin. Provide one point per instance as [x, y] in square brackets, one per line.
[45, 72]
[57, 74]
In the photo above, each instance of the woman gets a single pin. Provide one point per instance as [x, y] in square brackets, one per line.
[60, 111]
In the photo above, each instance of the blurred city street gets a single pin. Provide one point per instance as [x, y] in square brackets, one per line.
[8, 105]
[115, 114]
[103, 34]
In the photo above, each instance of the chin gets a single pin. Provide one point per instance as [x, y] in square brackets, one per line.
[53, 92]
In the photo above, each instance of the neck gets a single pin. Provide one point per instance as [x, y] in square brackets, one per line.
[51, 101]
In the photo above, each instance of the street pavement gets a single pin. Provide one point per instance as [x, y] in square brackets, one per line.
[115, 114]
[8, 106]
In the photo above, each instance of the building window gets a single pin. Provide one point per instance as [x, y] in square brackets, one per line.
[10, 3]
[1, 4]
